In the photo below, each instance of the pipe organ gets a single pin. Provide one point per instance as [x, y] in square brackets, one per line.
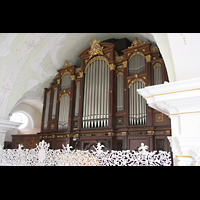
[98, 101]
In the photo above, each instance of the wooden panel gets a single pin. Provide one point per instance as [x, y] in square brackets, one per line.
[60, 142]
[135, 143]
[29, 141]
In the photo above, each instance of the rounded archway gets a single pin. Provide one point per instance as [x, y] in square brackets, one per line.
[23, 118]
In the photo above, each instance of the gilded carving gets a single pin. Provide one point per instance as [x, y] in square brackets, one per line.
[52, 126]
[167, 132]
[148, 58]
[77, 70]
[154, 49]
[65, 72]
[55, 88]
[111, 134]
[80, 75]
[150, 132]
[159, 117]
[48, 92]
[124, 133]
[135, 80]
[120, 73]
[125, 64]
[73, 77]
[96, 48]
[136, 42]
[120, 66]
[157, 65]
[112, 66]
[94, 59]
[64, 94]
[118, 58]
[58, 81]
[136, 53]
[119, 120]
[108, 54]
[66, 64]
[86, 60]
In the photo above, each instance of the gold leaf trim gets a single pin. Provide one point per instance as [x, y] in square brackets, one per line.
[157, 65]
[119, 73]
[135, 80]
[64, 94]
[96, 48]
[136, 53]
[94, 59]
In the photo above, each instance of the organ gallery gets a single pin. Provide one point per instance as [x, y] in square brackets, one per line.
[98, 101]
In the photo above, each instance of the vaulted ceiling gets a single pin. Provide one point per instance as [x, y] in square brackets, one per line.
[29, 61]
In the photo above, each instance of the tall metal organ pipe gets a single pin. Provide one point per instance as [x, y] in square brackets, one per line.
[46, 114]
[96, 95]
[137, 105]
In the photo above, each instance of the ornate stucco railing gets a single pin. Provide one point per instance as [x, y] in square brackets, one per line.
[43, 156]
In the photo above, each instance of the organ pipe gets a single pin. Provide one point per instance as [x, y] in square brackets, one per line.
[95, 102]
[120, 86]
[77, 100]
[63, 113]
[66, 82]
[46, 114]
[54, 103]
[137, 105]
[136, 65]
[157, 75]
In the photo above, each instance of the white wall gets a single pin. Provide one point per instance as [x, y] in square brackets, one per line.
[180, 52]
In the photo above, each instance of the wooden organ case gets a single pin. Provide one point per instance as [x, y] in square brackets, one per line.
[98, 101]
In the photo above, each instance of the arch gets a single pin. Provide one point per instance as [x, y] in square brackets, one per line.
[64, 94]
[120, 73]
[157, 64]
[135, 54]
[137, 63]
[94, 59]
[135, 80]
[66, 80]
[28, 119]
[64, 73]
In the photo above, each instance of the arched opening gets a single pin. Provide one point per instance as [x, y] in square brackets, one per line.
[22, 118]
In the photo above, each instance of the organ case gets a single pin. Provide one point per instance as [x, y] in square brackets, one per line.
[98, 102]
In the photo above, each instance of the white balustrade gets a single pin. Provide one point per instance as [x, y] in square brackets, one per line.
[43, 156]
